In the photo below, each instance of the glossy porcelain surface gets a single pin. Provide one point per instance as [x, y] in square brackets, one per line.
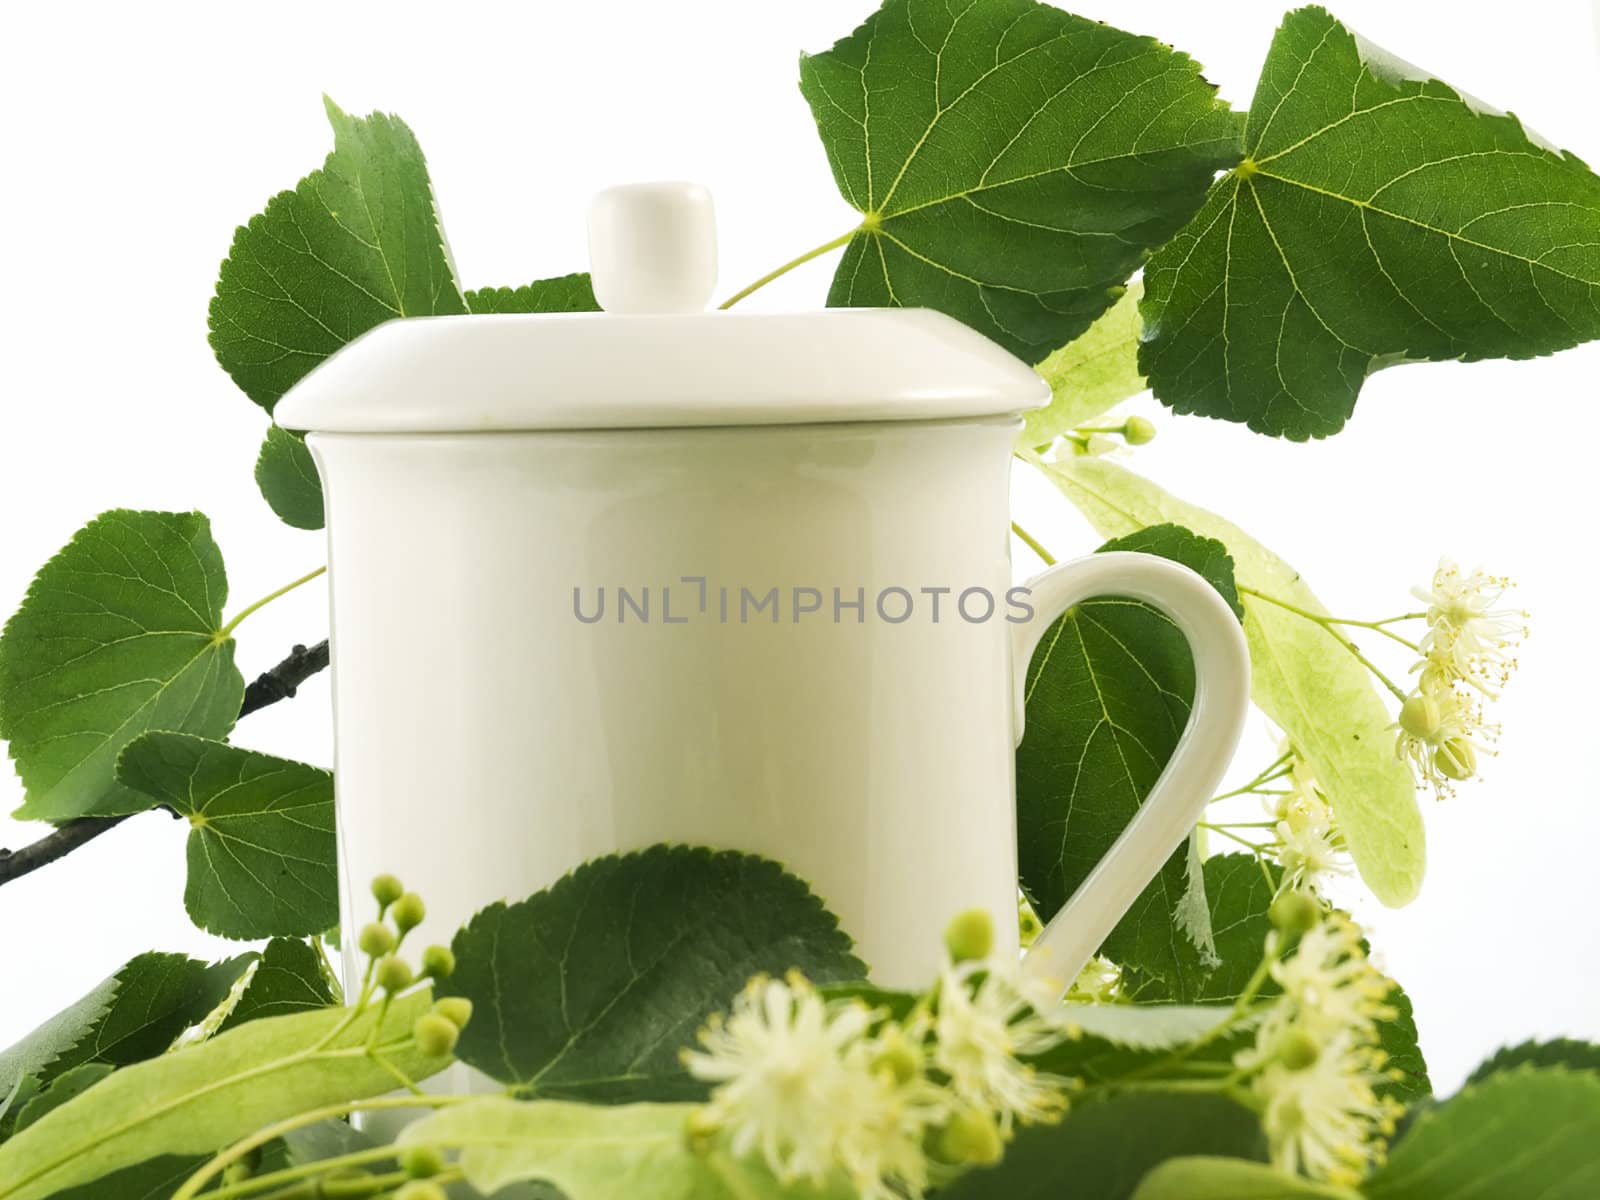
[496, 726]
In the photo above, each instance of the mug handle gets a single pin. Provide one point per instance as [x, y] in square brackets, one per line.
[1169, 812]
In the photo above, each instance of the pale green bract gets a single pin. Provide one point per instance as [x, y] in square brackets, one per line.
[1090, 374]
[1012, 163]
[594, 1153]
[1303, 677]
[1231, 1179]
[1378, 218]
[120, 632]
[208, 1096]
[262, 859]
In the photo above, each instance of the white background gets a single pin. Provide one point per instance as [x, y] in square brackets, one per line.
[138, 136]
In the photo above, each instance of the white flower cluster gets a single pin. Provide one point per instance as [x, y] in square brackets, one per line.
[1309, 846]
[1468, 654]
[816, 1085]
[1317, 1069]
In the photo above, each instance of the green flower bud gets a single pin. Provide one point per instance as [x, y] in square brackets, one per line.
[438, 962]
[435, 1036]
[409, 911]
[376, 940]
[421, 1162]
[1456, 759]
[238, 1172]
[1137, 431]
[898, 1056]
[1297, 1049]
[701, 1131]
[386, 889]
[1419, 716]
[1294, 913]
[970, 937]
[455, 1009]
[394, 975]
[420, 1189]
[971, 1137]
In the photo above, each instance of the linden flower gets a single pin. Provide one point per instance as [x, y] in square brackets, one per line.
[1470, 636]
[1326, 1120]
[1315, 1064]
[983, 1023]
[1308, 841]
[786, 1086]
[1329, 983]
[1441, 735]
[1308, 850]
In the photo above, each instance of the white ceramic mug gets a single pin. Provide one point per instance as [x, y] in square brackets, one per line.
[490, 739]
[487, 476]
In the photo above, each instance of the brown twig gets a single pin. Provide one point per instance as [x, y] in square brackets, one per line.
[268, 688]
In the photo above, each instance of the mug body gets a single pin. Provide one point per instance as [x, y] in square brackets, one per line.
[786, 640]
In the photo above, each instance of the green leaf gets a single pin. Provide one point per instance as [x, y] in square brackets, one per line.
[1518, 1134]
[1562, 1052]
[153, 1179]
[68, 1085]
[261, 847]
[1303, 677]
[1012, 163]
[1108, 695]
[564, 293]
[1239, 893]
[133, 1015]
[1378, 218]
[594, 1153]
[1232, 1179]
[212, 1094]
[288, 978]
[353, 245]
[287, 477]
[1105, 1149]
[598, 982]
[1090, 374]
[1397, 1038]
[120, 632]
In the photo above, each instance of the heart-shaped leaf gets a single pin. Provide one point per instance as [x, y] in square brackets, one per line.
[1108, 695]
[262, 858]
[133, 1015]
[1105, 1149]
[287, 476]
[1379, 217]
[354, 244]
[600, 981]
[1520, 1133]
[289, 977]
[1011, 162]
[120, 632]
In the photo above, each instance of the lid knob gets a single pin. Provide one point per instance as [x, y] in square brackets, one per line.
[653, 248]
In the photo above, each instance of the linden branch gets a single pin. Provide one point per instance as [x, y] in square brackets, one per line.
[268, 688]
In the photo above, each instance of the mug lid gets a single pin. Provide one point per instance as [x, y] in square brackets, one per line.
[655, 358]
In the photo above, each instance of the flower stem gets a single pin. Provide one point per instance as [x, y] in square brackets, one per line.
[1033, 544]
[193, 1185]
[1328, 624]
[815, 252]
[227, 630]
